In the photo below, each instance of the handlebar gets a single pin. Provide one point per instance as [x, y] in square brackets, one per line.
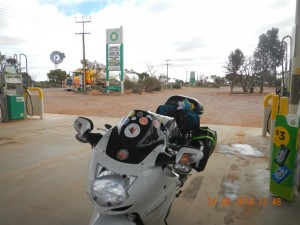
[175, 147]
[163, 159]
[93, 138]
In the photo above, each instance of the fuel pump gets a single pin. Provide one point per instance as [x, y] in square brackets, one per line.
[11, 100]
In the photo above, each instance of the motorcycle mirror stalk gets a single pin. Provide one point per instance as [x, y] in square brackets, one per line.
[80, 139]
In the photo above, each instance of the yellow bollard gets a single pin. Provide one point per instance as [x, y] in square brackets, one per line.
[275, 102]
[38, 90]
[267, 98]
[34, 104]
[267, 110]
[284, 106]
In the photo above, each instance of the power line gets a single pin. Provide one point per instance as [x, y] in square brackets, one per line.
[167, 64]
[13, 13]
[83, 47]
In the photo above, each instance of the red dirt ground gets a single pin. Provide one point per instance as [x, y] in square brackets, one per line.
[220, 107]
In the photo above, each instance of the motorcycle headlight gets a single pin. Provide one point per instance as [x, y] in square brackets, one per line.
[109, 189]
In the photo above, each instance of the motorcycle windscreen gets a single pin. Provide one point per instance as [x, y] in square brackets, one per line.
[135, 137]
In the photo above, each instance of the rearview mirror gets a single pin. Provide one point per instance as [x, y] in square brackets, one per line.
[82, 125]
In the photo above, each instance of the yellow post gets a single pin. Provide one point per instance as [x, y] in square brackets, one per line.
[275, 102]
[36, 102]
[267, 110]
[39, 90]
[267, 98]
[284, 106]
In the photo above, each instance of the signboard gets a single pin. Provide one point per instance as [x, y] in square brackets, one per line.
[113, 88]
[114, 55]
[114, 36]
[192, 77]
[114, 58]
[284, 156]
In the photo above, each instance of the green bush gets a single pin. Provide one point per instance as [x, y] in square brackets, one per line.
[136, 88]
[176, 86]
[151, 84]
[128, 84]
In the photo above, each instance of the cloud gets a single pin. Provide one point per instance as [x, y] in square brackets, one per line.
[279, 4]
[6, 40]
[160, 6]
[195, 35]
[184, 46]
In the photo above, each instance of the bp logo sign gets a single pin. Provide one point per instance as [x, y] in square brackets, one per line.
[114, 36]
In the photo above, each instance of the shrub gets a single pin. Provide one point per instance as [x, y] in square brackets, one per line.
[152, 84]
[176, 86]
[128, 84]
[136, 88]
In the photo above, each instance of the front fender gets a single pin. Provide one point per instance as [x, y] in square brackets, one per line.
[100, 219]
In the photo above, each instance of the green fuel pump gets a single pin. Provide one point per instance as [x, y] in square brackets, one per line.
[12, 100]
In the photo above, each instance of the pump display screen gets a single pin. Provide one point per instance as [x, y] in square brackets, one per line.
[11, 76]
[10, 70]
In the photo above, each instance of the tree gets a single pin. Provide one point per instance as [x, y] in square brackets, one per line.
[151, 84]
[268, 55]
[201, 79]
[246, 80]
[95, 66]
[143, 75]
[220, 80]
[11, 61]
[151, 71]
[233, 67]
[57, 76]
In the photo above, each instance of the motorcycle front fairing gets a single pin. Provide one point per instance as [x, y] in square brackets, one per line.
[99, 219]
[123, 178]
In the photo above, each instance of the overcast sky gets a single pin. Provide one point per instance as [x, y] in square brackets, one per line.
[196, 35]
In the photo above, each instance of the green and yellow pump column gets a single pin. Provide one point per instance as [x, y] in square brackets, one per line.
[279, 106]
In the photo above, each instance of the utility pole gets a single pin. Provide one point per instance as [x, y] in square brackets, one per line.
[83, 48]
[167, 64]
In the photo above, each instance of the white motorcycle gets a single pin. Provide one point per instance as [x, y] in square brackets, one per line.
[138, 166]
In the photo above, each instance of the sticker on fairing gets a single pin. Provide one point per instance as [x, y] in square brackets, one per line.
[156, 123]
[132, 130]
[126, 121]
[131, 114]
[122, 154]
[143, 121]
[139, 114]
[149, 117]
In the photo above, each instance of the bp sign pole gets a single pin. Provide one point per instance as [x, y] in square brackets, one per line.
[192, 78]
[114, 56]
